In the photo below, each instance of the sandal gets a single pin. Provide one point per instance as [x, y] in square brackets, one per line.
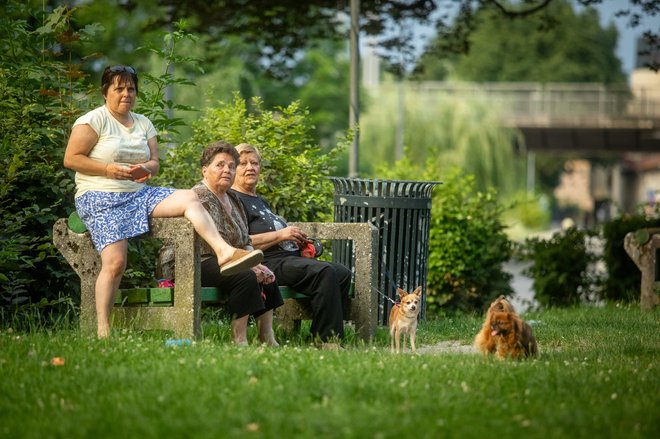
[241, 260]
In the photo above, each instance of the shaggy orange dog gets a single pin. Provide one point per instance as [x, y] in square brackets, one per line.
[513, 337]
[484, 341]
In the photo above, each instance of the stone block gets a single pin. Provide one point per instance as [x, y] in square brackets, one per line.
[642, 247]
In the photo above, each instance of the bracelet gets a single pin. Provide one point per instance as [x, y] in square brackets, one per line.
[106, 169]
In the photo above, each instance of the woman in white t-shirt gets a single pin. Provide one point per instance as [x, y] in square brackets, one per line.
[114, 152]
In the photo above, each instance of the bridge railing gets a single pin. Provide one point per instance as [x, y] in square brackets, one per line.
[551, 101]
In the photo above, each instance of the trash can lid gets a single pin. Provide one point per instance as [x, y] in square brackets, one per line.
[383, 188]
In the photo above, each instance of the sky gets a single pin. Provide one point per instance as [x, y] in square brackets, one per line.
[626, 47]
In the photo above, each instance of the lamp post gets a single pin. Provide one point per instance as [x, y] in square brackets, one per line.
[354, 109]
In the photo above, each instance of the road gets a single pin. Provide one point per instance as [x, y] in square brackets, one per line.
[522, 285]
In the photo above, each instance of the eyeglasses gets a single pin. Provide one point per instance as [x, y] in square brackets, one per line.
[119, 69]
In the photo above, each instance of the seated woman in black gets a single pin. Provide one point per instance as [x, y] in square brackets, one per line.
[326, 283]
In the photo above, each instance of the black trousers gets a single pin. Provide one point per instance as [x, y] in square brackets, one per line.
[326, 283]
[245, 293]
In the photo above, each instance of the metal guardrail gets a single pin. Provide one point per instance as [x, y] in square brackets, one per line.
[551, 101]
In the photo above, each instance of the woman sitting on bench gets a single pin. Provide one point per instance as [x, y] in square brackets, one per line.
[251, 292]
[326, 283]
[113, 152]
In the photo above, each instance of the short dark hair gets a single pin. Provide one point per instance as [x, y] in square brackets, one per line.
[216, 148]
[125, 73]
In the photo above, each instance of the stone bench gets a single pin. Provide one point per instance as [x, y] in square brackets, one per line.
[182, 314]
[642, 247]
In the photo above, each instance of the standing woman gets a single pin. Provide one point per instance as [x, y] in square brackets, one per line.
[113, 152]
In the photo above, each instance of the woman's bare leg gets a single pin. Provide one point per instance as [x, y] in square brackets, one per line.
[113, 265]
[239, 330]
[265, 325]
[185, 203]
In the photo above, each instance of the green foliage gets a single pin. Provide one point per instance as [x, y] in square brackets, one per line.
[467, 248]
[558, 45]
[467, 243]
[561, 268]
[294, 171]
[319, 81]
[40, 95]
[459, 132]
[153, 101]
[531, 212]
[624, 278]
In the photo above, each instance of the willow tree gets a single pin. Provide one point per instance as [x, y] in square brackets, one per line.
[455, 131]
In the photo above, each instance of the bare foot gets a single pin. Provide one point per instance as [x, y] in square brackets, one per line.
[269, 340]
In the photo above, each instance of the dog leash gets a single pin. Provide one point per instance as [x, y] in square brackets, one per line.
[388, 277]
[387, 297]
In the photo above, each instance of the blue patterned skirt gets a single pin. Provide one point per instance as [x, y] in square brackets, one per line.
[113, 216]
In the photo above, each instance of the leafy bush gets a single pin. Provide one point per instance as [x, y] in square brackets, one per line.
[467, 243]
[624, 278]
[293, 178]
[467, 247]
[561, 268]
[531, 212]
[154, 102]
[38, 100]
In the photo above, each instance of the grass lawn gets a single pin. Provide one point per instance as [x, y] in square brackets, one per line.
[598, 375]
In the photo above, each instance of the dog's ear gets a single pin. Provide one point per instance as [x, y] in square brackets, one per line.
[418, 291]
[517, 323]
[401, 293]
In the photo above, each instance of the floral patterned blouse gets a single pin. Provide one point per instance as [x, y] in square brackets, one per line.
[232, 226]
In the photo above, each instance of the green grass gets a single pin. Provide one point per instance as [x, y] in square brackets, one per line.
[597, 376]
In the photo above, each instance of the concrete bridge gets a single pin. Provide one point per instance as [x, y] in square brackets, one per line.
[568, 117]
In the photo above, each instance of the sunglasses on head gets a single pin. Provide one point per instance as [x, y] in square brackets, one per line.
[119, 69]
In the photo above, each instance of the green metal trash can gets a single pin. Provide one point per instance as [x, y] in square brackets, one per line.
[401, 210]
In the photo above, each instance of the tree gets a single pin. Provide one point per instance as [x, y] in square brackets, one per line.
[458, 132]
[574, 48]
[319, 81]
[454, 33]
[39, 99]
[282, 29]
[283, 136]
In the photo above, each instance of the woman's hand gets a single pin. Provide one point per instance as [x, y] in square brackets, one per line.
[292, 233]
[264, 275]
[140, 173]
[118, 172]
[137, 173]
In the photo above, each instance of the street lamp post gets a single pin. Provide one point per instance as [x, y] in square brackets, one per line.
[354, 110]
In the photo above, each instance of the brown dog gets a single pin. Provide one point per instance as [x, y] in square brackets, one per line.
[513, 337]
[403, 318]
[484, 341]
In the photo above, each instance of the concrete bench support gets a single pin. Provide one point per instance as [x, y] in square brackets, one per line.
[642, 247]
[364, 304]
[183, 318]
